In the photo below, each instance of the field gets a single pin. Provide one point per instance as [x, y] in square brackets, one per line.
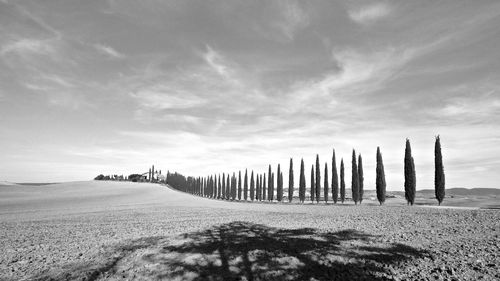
[121, 230]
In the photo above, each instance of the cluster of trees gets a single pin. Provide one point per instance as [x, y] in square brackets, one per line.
[261, 187]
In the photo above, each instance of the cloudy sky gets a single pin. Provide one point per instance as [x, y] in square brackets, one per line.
[89, 87]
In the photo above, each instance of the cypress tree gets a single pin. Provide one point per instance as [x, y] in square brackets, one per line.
[290, 181]
[318, 179]
[219, 189]
[228, 188]
[211, 195]
[264, 188]
[342, 181]
[214, 187]
[354, 179]
[223, 186]
[271, 197]
[313, 186]
[281, 183]
[335, 180]
[239, 185]
[439, 180]
[252, 187]
[302, 183]
[270, 185]
[245, 186]
[233, 187]
[380, 180]
[325, 194]
[410, 178]
[279, 186]
[257, 187]
[361, 178]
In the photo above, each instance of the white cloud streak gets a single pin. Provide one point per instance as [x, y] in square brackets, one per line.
[370, 14]
[109, 51]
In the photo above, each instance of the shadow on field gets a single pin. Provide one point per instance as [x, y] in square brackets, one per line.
[246, 251]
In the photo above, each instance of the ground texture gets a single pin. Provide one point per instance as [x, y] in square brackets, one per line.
[119, 231]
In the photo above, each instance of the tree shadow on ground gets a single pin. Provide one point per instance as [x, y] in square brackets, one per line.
[247, 251]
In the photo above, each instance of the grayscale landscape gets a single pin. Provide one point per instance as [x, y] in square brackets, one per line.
[249, 140]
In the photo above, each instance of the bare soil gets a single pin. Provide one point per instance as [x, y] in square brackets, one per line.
[121, 230]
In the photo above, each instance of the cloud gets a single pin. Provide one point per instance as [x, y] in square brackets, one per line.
[294, 18]
[28, 46]
[109, 51]
[216, 62]
[369, 14]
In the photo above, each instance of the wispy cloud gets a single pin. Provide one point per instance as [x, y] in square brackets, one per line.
[294, 18]
[28, 46]
[369, 14]
[109, 51]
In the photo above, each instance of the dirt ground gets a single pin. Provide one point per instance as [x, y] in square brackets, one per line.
[121, 230]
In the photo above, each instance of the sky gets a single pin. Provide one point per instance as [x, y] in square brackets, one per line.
[208, 87]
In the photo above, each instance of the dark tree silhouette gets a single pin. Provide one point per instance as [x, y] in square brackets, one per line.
[223, 186]
[264, 191]
[439, 180]
[410, 178]
[290, 181]
[335, 179]
[270, 191]
[302, 183]
[258, 187]
[228, 188]
[219, 189]
[318, 179]
[380, 180]
[239, 185]
[245, 186]
[252, 187]
[233, 187]
[342, 181]
[279, 186]
[271, 198]
[361, 178]
[313, 186]
[325, 193]
[354, 179]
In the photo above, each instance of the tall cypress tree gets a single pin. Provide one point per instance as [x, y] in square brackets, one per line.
[272, 187]
[318, 179]
[380, 180]
[252, 187]
[223, 185]
[269, 185]
[279, 187]
[361, 178]
[335, 180]
[228, 188]
[257, 187]
[354, 179]
[264, 191]
[325, 193]
[313, 185]
[219, 196]
[302, 183]
[342, 181]
[239, 185]
[439, 180]
[290, 181]
[245, 186]
[410, 178]
[233, 187]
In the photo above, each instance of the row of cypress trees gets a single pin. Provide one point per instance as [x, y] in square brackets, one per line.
[256, 187]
